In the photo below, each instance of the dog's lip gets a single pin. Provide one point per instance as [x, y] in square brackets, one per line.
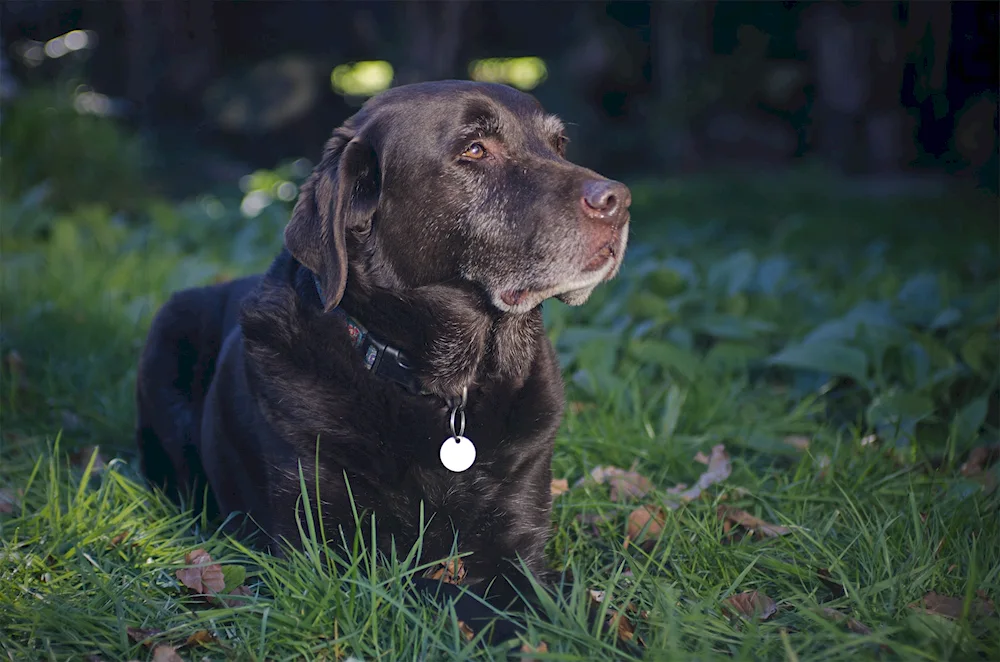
[606, 252]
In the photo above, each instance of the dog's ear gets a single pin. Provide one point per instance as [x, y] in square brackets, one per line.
[340, 195]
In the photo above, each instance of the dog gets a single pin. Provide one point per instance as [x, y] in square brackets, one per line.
[393, 354]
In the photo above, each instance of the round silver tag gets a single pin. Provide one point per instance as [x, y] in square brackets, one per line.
[458, 453]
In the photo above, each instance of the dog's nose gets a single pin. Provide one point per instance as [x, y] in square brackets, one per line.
[606, 200]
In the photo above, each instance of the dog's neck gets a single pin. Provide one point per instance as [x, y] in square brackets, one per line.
[448, 335]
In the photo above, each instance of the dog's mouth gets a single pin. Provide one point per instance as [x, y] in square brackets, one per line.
[602, 266]
[608, 251]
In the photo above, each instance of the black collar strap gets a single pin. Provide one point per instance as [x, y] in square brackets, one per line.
[382, 359]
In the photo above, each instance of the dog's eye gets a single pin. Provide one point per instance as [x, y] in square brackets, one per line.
[560, 144]
[476, 151]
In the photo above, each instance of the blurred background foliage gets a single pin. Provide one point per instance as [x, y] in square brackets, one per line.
[218, 89]
[814, 257]
[150, 146]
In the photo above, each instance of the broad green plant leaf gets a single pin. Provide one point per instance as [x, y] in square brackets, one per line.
[826, 356]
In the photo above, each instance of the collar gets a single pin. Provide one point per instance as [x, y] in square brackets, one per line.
[381, 358]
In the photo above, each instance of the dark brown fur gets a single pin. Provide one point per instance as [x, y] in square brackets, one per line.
[442, 255]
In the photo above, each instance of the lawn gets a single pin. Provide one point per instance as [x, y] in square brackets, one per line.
[832, 356]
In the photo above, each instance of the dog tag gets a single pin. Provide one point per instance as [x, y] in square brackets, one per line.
[458, 453]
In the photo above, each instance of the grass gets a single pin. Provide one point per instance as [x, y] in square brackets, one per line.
[750, 311]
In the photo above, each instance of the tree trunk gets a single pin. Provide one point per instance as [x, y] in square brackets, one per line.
[679, 42]
[839, 57]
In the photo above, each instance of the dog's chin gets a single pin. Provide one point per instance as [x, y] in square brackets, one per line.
[577, 297]
[574, 292]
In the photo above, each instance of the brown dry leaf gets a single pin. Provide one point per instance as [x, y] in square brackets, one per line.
[620, 622]
[119, 538]
[854, 625]
[751, 604]
[164, 653]
[527, 650]
[624, 483]
[559, 486]
[593, 520]
[8, 501]
[238, 592]
[205, 577]
[466, 631]
[81, 458]
[837, 590]
[143, 636]
[200, 637]
[949, 607]
[979, 459]
[719, 469]
[745, 519]
[701, 458]
[797, 441]
[452, 572]
[645, 518]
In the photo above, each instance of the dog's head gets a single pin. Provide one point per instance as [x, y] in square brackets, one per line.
[459, 181]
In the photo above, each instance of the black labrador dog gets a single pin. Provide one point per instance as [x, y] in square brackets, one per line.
[394, 351]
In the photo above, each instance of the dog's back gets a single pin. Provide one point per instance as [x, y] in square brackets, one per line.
[175, 371]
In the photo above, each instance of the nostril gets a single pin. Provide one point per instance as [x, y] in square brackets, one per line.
[599, 197]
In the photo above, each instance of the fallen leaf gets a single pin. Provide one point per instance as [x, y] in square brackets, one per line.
[979, 459]
[8, 501]
[752, 523]
[238, 592]
[701, 458]
[164, 653]
[452, 572]
[624, 625]
[143, 636]
[852, 624]
[200, 637]
[798, 442]
[751, 604]
[558, 486]
[719, 469]
[629, 486]
[577, 407]
[81, 458]
[648, 519]
[949, 607]
[835, 589]
[120, 538]
[466, 630]
[624, 483]
[594, 519]
[204, 577]
[528, 649]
